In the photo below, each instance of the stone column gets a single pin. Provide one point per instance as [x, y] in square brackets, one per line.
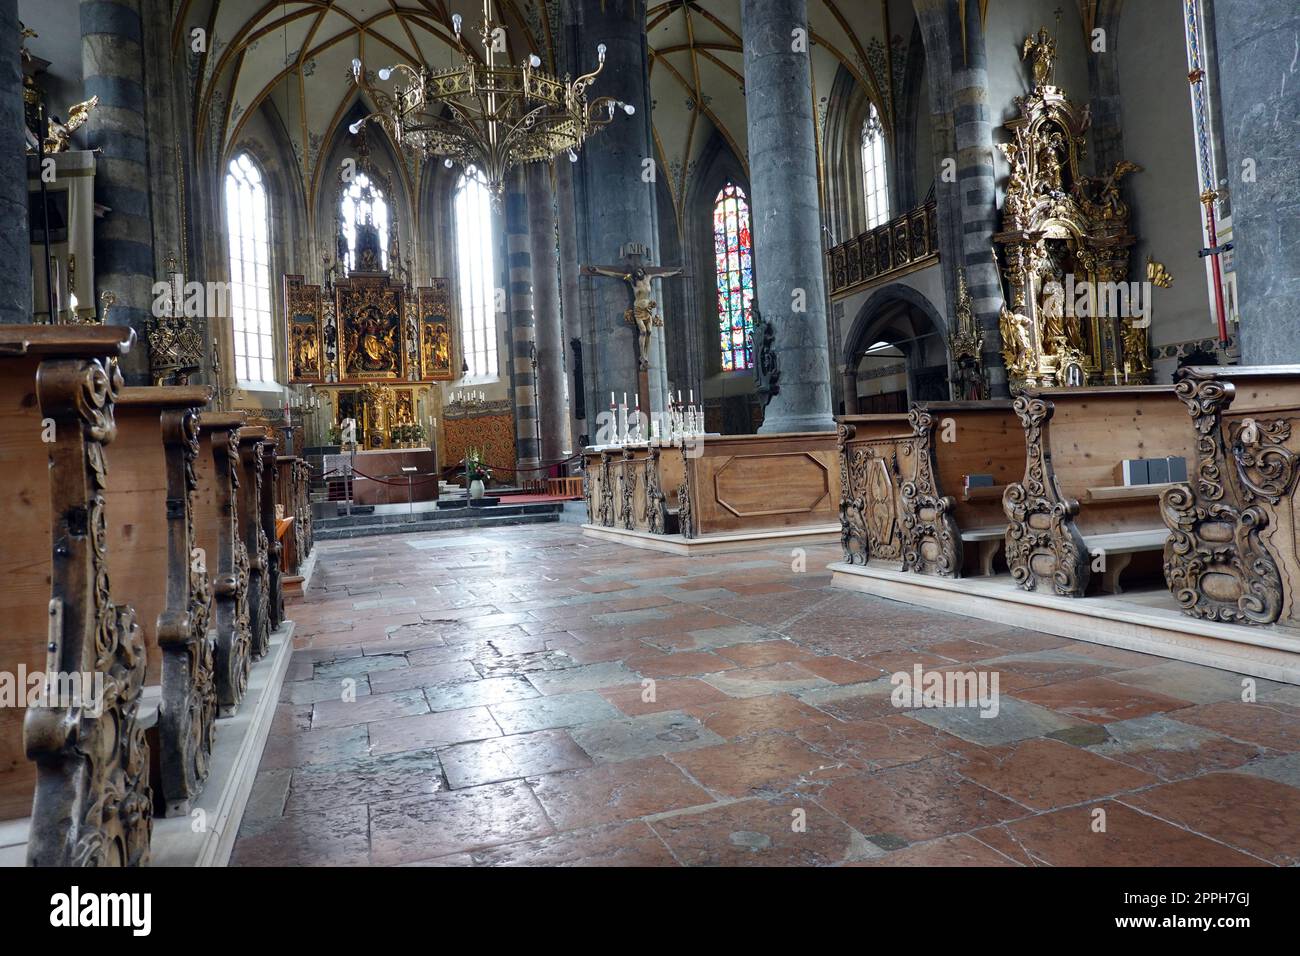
[15, 249]
[551, 406]
[616, 200]
[788, 261]
[519, 270]
[973, 130]
[112, 58]
[1260, 89]
[570, 298]
[849, 374]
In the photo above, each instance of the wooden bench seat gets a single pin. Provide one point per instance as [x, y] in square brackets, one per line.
[150, 525]
[1067, 517]
[1232, 553]
[79, 772]
[940, 515]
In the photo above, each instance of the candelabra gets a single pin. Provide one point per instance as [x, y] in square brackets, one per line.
[466, 400]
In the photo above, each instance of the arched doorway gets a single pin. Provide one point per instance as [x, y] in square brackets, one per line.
[896, 353]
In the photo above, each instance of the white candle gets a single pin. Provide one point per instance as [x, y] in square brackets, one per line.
[611, 399]
[690, 398]
[638, 400]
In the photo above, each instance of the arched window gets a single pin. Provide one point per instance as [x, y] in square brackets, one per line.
[363, 215]
[248, 222]
[733, 251]
[875, 177]
[472, 208]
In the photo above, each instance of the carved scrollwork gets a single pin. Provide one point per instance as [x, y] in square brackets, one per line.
[1266, 468]
[1216, 563]
[685, 513]
[255, 541]
[627, 491]
[853, 530]
[931, 539]
[1043, 545]
[586, 496]
[93, 805]
[655, 512]
[230, 586]
[606, 514]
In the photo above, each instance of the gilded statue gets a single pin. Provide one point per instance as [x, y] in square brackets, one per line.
[1017, 341]
[1043, 49]
[1136, 358]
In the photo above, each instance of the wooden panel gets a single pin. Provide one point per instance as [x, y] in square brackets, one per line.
[24, 567]
[876, 455]
[136, 505]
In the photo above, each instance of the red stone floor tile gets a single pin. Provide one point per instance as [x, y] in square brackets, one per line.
[615, 791]
[765, 762]
[757, 653]
[883, 742]
[1074, 837]
[681, 694]
[1252, 813]
[960, 850]
[1042, 774]
[617, 844]
[739, 717]
[756, 832]
[681, 664]
[1268, 725]
[1099, 700]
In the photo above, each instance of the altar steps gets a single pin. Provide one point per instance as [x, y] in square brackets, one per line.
[440, 519]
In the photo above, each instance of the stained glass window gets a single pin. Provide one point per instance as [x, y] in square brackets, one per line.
[363, 208]
[875, 178]
[475, 261]
[733, 251]
[247, 224]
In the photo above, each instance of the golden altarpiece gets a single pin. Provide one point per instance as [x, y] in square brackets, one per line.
[367, 337]
[1065, 244]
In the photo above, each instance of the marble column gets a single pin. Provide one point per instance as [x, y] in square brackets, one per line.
[112, 67]
[1259, 84]
[15, 249]
[614, 194]
[552, 409]
[570, 299]
[519, 288]
[788, 261]
[973, 129]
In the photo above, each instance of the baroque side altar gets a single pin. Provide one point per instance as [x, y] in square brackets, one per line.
[1065, 244]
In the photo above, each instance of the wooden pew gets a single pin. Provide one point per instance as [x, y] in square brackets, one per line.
[266, 507]
[1232, 552]
[286, 496]
[302, 496]
[943, 523]
[252, 440]
[876, 455]
[216, 525]
[151, 527]
[1068, 513]
[89, 797]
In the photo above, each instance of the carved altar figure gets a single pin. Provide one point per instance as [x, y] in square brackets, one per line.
[1017, 340]
[1042, 47]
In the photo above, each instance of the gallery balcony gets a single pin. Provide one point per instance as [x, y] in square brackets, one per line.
[904, 244]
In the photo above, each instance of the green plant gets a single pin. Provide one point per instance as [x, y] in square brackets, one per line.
[475, 469]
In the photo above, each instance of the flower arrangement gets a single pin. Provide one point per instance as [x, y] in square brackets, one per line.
[475, 470]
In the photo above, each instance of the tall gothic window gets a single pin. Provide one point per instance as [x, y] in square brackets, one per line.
[875, 178]
[733, 252]
[473, 219]
[363, 215]
[247, 219]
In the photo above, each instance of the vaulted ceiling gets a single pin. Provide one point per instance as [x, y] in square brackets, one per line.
[297, 55]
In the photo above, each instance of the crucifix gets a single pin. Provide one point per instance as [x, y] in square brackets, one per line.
[643, 314]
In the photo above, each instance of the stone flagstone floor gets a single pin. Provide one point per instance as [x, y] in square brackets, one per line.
[530, 696]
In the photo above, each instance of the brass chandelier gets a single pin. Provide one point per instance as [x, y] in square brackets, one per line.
[487, 116]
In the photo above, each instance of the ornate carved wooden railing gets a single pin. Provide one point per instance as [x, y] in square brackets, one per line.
[1043, 544]
[302, 514]
[266, 508]
[253, 536]
[1231, 524]
[92, 803]
[909, 241]
[219, 483]
[931, 539]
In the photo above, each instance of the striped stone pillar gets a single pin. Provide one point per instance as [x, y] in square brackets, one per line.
[519, 290]
[973, 129]
[16, 280]
[570, 299]
[112, 52]
[552, 409]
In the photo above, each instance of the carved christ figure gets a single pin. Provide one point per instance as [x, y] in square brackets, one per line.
[643, 314]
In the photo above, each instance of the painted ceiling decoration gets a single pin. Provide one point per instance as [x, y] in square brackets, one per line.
[296, 55]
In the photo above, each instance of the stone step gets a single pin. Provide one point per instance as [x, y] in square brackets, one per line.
[476, 520]
[438, 517]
